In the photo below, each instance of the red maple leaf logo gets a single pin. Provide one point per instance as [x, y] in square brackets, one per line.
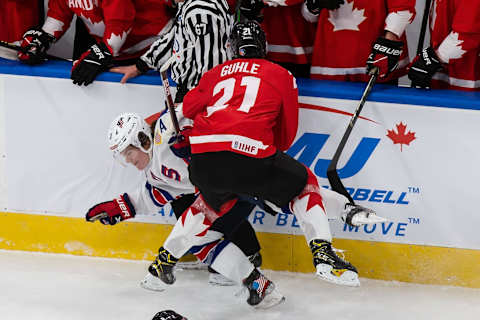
[400, 136]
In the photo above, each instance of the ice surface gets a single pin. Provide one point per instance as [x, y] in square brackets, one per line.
[63, 287]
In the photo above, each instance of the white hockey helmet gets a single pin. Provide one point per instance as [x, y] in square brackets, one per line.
[125, 130]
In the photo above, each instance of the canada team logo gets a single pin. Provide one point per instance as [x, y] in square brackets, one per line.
[401, 137]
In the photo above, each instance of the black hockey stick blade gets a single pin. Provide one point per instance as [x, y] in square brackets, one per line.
[332, 173]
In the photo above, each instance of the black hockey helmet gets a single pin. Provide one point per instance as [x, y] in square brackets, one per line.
[248, 40]
[168, 315]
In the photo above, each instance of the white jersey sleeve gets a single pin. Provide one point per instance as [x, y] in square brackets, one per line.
[167, 174]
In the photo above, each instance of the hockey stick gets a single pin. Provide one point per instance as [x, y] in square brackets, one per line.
[166, 88]
[167, 92]
[12, 46]
[423, 28]
[332, 173]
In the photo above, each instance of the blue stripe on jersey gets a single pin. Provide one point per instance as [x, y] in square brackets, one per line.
[159, 196]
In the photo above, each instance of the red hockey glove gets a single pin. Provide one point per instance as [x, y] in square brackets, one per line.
[94, 61]
[112, 212]
[180, 145]
[315, 6]
[35, 45]
[423, 67]
[385, 55]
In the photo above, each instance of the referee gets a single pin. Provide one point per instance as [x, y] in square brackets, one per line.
[199, 35]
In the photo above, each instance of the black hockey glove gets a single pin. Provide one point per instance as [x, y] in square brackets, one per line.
[315, 6]
[94, 61]
[385, 55]
[251, 9]
[423, 67]
[168, 315]
[34, 45]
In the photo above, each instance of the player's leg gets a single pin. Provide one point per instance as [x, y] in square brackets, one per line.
[280, 180]
[236, 228]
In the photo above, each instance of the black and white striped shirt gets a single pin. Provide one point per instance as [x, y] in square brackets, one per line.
[199, 36]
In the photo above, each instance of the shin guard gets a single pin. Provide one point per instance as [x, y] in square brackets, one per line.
[309, 209]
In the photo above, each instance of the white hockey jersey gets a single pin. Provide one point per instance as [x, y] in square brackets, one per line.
[167, 174]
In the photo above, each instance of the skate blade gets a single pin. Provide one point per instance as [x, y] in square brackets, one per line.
[372, 219]
[216, 279]
[272, 299]
[191, 265]
[152, 283]
[347, 278]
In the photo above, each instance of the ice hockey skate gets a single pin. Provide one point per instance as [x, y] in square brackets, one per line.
[160, 273]
[262, 292]
[355, 215]
[330, 267]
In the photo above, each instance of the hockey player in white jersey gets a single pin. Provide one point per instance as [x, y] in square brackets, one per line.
[133, 141]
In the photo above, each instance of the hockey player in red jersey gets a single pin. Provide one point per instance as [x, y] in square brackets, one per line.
[245, 114]
[289, 36]
[453, 58]
[18, 15]
[353, 36]
[123, 29]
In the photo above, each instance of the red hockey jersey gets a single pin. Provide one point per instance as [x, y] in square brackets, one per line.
[289, 36]
[16, 17]
[345, 36]
[455, 34]
[247, 106]
[127, 27]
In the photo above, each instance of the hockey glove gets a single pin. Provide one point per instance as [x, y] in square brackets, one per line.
[34, 45]
[385, 55]
[251, 9]
[315, 6]
[94, 61]
[168, 315]
[423, 67]
[112, 212]
[180, 145]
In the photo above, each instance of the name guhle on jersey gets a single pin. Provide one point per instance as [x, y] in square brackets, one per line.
[246, 67]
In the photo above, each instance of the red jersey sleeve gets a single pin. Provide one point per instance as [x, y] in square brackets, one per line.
[59, 17]
[455, 28]
[119, 16]
[286, 127]
[467, 24]
[196, 100]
